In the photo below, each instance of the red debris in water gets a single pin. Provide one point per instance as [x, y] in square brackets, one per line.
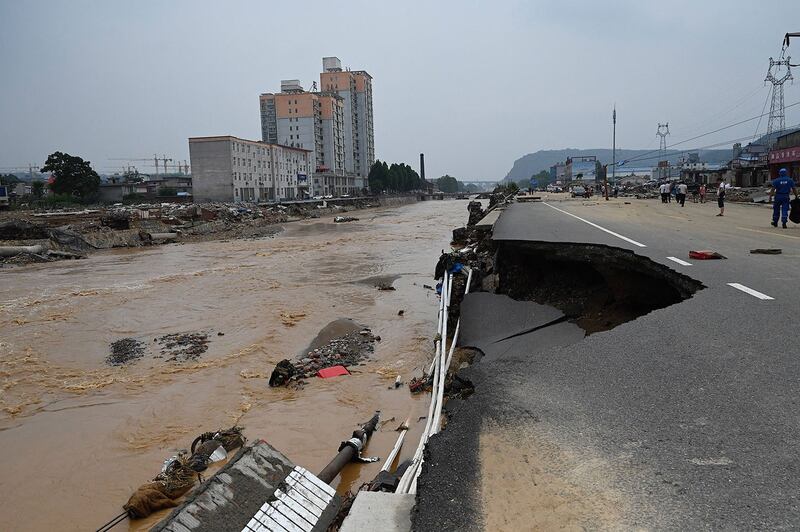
[333, 371]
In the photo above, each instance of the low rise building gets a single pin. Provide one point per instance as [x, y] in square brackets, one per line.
[165, 187]
[749, 164]
[227, 168]
[557, 173]
[786, 154]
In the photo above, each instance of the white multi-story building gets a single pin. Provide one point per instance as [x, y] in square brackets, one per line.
[230, 169]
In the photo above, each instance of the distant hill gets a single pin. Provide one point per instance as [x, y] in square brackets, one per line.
[533, 163]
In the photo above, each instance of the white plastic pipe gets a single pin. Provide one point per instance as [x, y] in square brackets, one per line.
[437, 414]
[411, 473]
[458, 325]
[440, 365]
[397, 445]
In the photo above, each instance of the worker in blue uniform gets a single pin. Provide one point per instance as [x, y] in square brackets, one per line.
[781, 187]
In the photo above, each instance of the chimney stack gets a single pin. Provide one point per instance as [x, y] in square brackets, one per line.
[422, 166]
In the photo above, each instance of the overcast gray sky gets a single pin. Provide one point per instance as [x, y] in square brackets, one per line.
[474, 85]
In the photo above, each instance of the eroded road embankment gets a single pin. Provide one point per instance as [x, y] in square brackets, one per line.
[504, 462]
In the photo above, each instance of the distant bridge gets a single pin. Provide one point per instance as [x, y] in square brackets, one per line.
[482, 182]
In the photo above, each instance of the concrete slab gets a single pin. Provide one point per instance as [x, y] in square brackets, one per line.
[375, 510]
[490, 219]
[488, 318]
[261, 485]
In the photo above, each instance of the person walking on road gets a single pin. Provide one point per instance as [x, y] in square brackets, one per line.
[703, 193]
[670, 192]
[663, 190]
[721, 195]
[780, 188]
[680, 195]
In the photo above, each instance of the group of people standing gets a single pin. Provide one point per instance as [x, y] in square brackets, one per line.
[781, 189]
[679, 190]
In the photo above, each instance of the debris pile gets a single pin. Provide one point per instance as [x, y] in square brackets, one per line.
[175, 347]
[179, 472]
[124, 351]
[67, 234]
[476, 212]
[24, 242]
[181, 347]
[347, 350]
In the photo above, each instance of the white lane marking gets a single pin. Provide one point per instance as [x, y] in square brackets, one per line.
[679, 261]
[746, 290]
[625, 238]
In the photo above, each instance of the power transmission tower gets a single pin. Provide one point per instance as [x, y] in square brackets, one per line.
[777, 111]
[663, 131]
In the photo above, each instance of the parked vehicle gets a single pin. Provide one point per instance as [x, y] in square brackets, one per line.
[578, 191]
[3, 197]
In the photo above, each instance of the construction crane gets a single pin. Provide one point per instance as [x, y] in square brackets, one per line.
[155, 160]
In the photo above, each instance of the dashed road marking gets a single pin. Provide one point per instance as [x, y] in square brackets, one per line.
[746, 290]
[679, 261]
[610, 232]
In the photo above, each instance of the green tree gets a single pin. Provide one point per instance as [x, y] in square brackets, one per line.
[469, 189]
[447, 183]
[507, 187]
[8, 179]
[541, 179]
[378, 177]
[72, 175]
[37, 189]
[399, 177]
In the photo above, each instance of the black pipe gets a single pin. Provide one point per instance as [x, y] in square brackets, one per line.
[349, 450]
[422, 166]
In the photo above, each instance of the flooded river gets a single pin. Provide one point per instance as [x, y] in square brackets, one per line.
[78, 436]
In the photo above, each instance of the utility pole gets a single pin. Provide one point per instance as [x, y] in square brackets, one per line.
[663, 131]
[155, 158]
[613, 155]
[614, 147]
[777, 111]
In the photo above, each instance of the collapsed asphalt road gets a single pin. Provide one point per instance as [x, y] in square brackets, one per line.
[682, 418]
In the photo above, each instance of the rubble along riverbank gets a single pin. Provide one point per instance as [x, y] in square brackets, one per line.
[29, 237]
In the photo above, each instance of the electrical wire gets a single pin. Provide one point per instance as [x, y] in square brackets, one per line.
[645, 156]
[758, 125]
[710, 146]
[698, 126]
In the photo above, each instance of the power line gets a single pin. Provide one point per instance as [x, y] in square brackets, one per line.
[700, 125]
[758, 125]
[640, 157]
[707, 147]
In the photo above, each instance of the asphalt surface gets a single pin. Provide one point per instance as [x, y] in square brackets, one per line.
[691, 410]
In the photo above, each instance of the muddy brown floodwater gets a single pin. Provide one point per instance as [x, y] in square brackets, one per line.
[78, 436]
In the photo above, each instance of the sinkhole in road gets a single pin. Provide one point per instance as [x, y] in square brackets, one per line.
[597, 287]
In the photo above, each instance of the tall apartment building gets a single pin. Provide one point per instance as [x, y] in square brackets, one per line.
[355, 89]
[230, 169]
[335, 124]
